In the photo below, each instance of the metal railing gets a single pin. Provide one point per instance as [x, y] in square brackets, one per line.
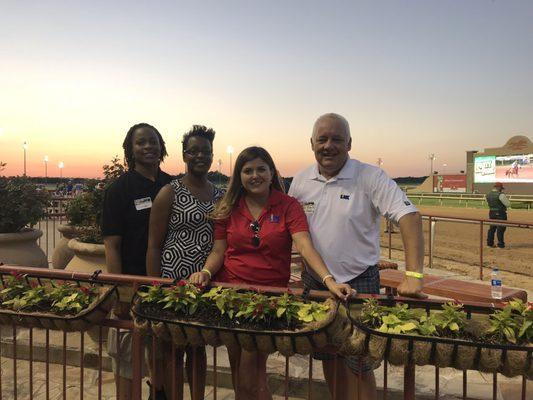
[481, 222]
[464, 199]
[77, 357]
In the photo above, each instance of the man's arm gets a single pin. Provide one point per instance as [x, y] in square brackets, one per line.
[505, 201]
[413, 244]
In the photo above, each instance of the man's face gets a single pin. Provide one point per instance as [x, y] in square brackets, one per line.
[331, 145]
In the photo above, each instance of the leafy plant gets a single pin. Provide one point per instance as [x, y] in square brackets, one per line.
[237, 305]
[14, 286]
[514, 323]
[85, 210]
[23, 203]
[452, 319]
[63, 298]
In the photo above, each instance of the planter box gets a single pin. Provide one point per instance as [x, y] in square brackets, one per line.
[93, 315]
[398, 349]
[334, 329]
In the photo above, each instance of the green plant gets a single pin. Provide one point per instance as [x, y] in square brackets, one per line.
[85, 210]
[451, 320]
[14, 286]
[237, 305]
[228, 301]
[64, 298]
[23, 203]
[70, 298]
[514, 323]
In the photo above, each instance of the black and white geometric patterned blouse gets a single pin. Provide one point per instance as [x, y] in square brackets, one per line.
[189, 235]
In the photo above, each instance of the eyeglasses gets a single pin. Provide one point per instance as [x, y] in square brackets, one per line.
[255, 227]
[196, 152]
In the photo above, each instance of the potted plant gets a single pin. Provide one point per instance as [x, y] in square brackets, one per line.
[23, 206]
[43, 303]
[496, 342]
[188, 315]
[84, 213]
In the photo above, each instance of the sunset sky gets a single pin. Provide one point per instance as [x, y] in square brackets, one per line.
[412, 77]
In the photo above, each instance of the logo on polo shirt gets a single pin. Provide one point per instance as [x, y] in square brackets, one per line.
[274, 218]
[345, 197]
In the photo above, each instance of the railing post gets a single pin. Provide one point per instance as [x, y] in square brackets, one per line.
[389, 229]
[409, 381]
[136, 364]
[481, 250]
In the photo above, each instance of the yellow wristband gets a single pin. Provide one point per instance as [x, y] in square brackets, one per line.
[326, 277]
[207, 272]
[414, 274]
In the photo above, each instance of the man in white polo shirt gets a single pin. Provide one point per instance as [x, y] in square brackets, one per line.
[344, 200]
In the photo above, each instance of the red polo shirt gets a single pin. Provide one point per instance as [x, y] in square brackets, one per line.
[269, 263]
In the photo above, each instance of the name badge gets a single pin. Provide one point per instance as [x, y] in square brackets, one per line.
[309, 207]
[142, 204]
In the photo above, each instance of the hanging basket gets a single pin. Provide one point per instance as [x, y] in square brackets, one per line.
[93, 315]
[398, 349]
[334, 329]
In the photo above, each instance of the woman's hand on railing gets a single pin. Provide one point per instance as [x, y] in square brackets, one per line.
[200, 278]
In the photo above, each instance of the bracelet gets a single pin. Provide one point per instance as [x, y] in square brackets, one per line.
[414, 274]
[207, 272]
[326, 277]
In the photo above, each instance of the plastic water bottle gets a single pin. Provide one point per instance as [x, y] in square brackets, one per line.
[495, 284]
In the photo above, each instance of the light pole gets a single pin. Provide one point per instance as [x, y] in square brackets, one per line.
[219, 162]
[444, 168]
[380, 162]
[230, 152]
[431, 158]
[25, 147]
[61, 165]
[45, 169]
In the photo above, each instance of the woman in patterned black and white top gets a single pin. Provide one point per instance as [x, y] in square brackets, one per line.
[181, 236]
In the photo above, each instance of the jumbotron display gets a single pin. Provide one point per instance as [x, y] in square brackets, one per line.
[515, 168]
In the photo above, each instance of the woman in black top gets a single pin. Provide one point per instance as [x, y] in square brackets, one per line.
[127, 205]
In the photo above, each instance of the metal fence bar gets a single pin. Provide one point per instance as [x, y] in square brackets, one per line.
[100, 362]
[47, 363]
[31, 363]
[15, 362]
[215, 377]
[437, 383]
[64, 365]
[82, 354]
[310, 377]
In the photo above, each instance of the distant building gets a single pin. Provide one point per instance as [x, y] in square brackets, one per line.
[511, 164]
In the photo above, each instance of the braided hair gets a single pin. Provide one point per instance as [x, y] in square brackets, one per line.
[127, 145]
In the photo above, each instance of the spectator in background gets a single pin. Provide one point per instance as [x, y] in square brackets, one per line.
[498, 203]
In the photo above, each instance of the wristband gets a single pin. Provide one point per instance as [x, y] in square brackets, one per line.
[414, 274]
[207, 272]
[326, 277]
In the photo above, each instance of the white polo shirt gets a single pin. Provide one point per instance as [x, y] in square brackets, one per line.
[344, 214]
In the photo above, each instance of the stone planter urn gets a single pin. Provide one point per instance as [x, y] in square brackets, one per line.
[62, 254]
[88, 257]
[21, 249]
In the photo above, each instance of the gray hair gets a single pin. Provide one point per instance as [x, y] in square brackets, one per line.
[338, 117]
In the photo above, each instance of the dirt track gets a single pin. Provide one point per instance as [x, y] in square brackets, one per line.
[456, 245]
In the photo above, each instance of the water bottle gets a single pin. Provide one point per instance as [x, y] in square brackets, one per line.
[495, 284]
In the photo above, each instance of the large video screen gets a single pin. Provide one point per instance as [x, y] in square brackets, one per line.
[515, 168]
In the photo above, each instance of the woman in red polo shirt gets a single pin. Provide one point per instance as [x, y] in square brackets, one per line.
[255, 225]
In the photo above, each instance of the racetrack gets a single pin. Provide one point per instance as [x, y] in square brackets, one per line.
[456, 245]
